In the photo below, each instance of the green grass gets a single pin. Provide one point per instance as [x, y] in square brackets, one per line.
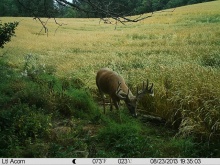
[43, 116]
[54, 77]
[40, 114]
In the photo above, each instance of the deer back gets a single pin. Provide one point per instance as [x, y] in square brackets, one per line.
[107, 82]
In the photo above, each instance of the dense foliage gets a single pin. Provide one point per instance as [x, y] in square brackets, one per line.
[49, 8]
[36, 108]
[26, 8]
[7, 30]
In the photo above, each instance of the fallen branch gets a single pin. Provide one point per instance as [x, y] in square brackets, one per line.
[154, 119]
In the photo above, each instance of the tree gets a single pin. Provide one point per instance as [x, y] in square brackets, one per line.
[87, 8]
[36, 8]
[107, 10]
[8, 8]
[7, 30]
[118, 10]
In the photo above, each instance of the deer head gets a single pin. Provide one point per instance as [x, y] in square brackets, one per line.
[131, 100]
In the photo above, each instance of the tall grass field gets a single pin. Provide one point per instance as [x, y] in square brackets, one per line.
[178, 51]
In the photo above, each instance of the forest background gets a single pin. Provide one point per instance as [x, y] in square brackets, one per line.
[54, 9]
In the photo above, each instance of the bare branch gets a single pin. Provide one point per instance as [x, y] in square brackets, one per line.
[43, 25]
[59, 25]
[105, 10]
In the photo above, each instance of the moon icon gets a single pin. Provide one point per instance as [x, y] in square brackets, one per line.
[74, 161]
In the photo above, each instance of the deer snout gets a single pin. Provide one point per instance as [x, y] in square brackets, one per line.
[151, 94]
[132, 109]
[135, 115]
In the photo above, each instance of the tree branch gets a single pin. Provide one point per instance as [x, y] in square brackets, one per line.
[105, 10]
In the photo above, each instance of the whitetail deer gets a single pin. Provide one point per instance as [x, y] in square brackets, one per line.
[109, 82]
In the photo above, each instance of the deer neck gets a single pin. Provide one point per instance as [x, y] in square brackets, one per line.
[130, 95]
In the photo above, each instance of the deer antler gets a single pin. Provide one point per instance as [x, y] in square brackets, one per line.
[122, 95]
[145, 90]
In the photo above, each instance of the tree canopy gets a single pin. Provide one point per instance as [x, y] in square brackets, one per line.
[86, 8]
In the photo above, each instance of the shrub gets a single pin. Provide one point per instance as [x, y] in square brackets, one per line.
[20, 124]
[30, 105]
[7, 30]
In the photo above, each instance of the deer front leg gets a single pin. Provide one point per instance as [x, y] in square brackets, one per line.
[111, 106]
[116, 104]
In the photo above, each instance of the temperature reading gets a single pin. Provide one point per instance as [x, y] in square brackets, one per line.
[98, 161]
[124, 161]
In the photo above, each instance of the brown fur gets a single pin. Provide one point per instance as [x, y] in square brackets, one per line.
[107, 83]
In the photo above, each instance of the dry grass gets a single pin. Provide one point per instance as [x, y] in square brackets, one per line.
[179, 51]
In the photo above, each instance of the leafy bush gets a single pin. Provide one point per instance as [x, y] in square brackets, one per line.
[20, 124]
[31, 105]
[7, 30]
[64, 96]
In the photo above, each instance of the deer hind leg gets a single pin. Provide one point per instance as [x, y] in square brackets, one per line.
[103, 100]
[111, 104]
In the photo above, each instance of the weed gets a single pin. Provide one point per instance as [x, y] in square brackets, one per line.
[212, 60]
